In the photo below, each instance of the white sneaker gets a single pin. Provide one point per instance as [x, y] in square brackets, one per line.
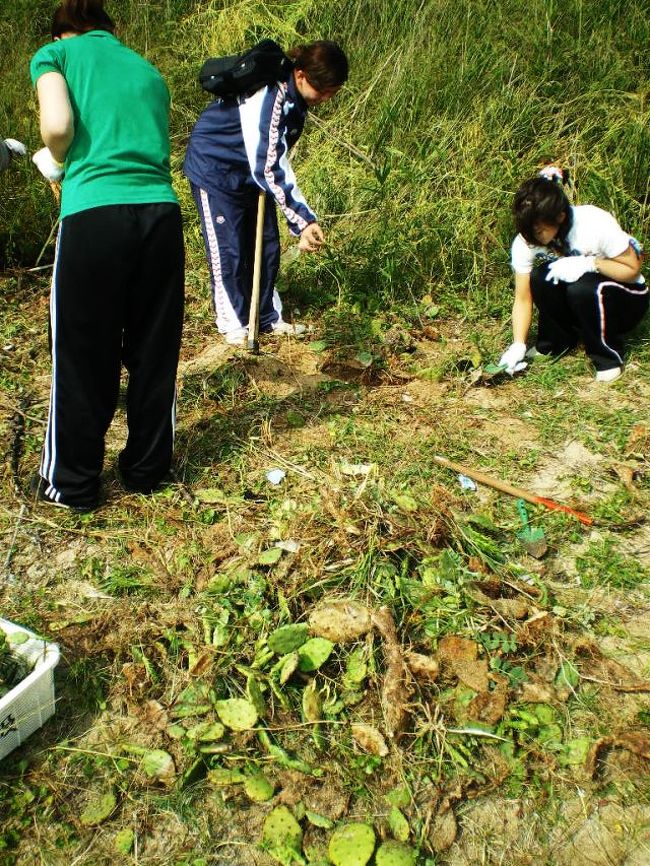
[237, 337]
[609, 375]
[282, 327]
[534, 354]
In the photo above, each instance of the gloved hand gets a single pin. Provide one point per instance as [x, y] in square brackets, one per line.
[570, 268]
[512, 357]
[47, 165]
[17, 148]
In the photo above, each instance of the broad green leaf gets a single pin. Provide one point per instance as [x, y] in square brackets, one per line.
[319, 820]
[124, 841]
[158, 764]
[288, 638]
[314, 653]
[352, 845]
[567, 675]
[98, 810]
[210, 494]
[222, 777]
[398, 825]
[258, 788]
[270, 556]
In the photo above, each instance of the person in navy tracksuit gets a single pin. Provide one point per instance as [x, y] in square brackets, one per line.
[239, 147]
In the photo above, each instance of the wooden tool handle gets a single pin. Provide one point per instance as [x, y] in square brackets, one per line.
[482, 478]
[254, 313]
[517, 492]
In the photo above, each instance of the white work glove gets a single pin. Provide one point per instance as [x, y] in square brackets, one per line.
[47, 165]
[512, 358]
[570, 268]
[15, 147]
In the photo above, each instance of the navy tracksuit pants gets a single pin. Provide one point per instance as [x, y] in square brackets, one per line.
[595, 309]
[228, 213]
[117, 298]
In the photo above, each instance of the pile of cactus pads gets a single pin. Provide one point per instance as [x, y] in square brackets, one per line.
[13, 667]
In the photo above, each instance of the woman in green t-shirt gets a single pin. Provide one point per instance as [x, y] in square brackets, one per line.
[117, 288]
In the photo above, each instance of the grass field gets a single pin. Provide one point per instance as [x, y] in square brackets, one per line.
[468, 702]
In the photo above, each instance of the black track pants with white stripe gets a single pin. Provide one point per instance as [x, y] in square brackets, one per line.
[228, 215]
[117, 298]
[595, 309]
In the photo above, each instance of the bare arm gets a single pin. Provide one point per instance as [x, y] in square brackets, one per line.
[625, 267]
[522, 308]
[57, 120]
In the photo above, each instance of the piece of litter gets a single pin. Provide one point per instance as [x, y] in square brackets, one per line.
[517, 368]
[356, 468]
[275, 476]
[289, 545]
[467, 483]
[406, 398]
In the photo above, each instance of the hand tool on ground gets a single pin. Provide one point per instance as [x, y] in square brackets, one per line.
[253, 344]
[532, 537]
[511, 490]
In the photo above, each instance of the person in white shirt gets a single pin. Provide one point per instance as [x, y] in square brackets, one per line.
[581, 271]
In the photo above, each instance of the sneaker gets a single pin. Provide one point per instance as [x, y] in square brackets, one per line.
[282, 327]
[38, 488]
[237, 337]
[533, 354]
[609, 375]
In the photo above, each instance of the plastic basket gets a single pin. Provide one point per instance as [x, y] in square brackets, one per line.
[24, 709]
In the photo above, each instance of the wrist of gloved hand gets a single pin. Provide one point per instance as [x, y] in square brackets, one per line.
[49, 167]
[15, 147]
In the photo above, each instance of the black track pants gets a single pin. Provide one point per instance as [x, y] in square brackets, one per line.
[595, 309]
[117, 297]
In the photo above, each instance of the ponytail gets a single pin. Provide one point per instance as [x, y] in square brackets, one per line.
[80, 16]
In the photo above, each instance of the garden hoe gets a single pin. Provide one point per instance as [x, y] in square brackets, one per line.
[253, 344]
[511, 490]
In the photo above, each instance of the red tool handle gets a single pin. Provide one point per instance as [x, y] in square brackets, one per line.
[579, 515]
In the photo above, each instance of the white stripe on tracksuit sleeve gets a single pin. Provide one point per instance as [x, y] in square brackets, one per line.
[264, 130]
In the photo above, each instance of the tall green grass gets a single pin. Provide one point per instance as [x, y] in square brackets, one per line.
[450, 106]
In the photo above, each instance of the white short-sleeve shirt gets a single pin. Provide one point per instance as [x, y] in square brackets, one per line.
[594, 232]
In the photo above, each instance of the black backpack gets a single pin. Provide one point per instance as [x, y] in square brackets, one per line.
[243, 74]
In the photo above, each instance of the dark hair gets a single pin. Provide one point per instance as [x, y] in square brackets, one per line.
[323, 62]
[80, 16]
[542, 201]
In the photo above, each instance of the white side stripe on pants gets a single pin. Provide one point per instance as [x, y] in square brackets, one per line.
[225, 314]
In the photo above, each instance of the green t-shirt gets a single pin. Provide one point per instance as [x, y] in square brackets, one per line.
[120, 150]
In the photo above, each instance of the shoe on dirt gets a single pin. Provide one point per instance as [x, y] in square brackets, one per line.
[609, 375]
[282, 327]
[237, 337]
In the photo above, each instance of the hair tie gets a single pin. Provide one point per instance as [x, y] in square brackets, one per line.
[555, 174]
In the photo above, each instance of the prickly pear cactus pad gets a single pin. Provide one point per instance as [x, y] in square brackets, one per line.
[258, 788]
[314, 653]
[13, 667]
[395, 854]
[282, 831]
[352, 845]
[237, 714]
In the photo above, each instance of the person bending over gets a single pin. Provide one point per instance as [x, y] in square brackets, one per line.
[581, 271]
[239, 147]
[117, 286]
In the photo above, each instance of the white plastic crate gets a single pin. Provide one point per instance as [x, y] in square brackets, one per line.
[24, 709]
